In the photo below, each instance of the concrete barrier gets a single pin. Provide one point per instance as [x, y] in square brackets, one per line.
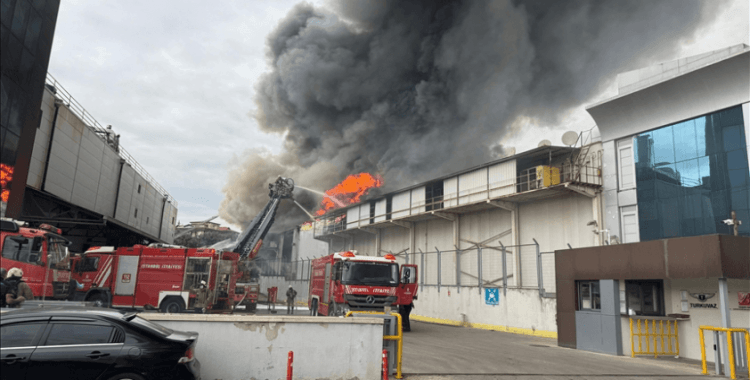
[256, 347]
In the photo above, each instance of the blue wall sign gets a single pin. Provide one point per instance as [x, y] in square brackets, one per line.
[492, 296]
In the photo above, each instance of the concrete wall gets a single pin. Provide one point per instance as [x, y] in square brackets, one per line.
[520, 310]
[256, 347]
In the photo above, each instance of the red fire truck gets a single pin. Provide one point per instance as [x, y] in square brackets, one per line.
[41, 253]
[346, 281]
[154, 276]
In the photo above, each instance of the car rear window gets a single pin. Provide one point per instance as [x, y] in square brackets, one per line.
[19, 334]
[71, 333]
[151, 326]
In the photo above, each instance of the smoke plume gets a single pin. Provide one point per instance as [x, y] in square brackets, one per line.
[411, 90]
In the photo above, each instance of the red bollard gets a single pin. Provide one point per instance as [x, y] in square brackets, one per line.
[385, 364]
[290, 366]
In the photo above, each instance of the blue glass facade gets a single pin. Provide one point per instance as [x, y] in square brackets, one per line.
[691, 175]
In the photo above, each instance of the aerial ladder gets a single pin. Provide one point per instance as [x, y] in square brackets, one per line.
[249, 242]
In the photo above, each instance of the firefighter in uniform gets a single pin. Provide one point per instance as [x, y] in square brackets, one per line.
[290, 294]
[22, 291]
[201, 297]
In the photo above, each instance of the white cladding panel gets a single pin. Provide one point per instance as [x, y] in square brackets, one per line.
[554, 224]
[168, 223]
[394, 239]
[430, 234]
[380, 208]
[352, 217]
[450, 192]
[364, 214]
[63, 158]
[472, 186]
[41, 142]
[400, 204]
[364, 244]
[125, 197]
[502, 178]
[88, 169]
[110, 170]
[418, 200]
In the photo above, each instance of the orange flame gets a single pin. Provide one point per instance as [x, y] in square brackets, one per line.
[349, 191]
[6, 175]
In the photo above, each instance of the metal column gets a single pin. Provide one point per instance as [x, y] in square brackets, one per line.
[539, 276]
[505, 273]
[725, 321]
[458, 270]
[439, 262]
[421, 271]
[479, 268]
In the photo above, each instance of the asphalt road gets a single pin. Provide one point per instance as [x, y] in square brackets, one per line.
[445, 352]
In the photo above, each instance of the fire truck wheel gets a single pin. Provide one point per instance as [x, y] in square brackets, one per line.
[99, 299]
[172, 305]
[126, 376]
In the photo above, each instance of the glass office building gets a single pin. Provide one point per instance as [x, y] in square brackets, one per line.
[691, 175]
[26, 31]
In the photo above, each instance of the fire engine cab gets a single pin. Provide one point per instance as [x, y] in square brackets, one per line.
[41, 253]
[346, 281]
[167, 278]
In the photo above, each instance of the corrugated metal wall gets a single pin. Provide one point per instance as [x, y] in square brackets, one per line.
[380, 208]
[364, 244]
[472, 186]
[400, 204]
[502, 178]
[418, 200]
[450, 192]
[352, 217]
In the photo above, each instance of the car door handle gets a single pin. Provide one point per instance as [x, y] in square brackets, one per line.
[97, 355]
[10, 359]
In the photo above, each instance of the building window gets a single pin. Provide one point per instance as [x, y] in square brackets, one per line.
[588, 295]
[645, 297]
[625, 165]
[691, 175]
[139, 188]
[147, 220]
[629, 219]
[135, 215]
[434, 196]
[372, 212]
[388, 207]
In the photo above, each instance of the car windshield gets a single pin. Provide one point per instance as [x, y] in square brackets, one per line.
[369, 274]
[151, 326]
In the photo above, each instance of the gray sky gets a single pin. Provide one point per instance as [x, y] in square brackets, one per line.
[176, 80]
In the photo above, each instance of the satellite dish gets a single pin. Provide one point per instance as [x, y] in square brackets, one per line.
[544, 142]
[569, 138]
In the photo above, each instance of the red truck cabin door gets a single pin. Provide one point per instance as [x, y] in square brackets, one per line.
[408, 280]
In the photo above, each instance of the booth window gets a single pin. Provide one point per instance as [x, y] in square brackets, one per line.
[645, 297]
[588, 295]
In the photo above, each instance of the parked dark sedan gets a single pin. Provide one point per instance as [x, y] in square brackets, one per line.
[92, 343]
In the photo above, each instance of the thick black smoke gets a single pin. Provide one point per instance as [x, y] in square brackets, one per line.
[415, 89]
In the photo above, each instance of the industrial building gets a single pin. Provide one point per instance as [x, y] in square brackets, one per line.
[484, 237]
[676, 183]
